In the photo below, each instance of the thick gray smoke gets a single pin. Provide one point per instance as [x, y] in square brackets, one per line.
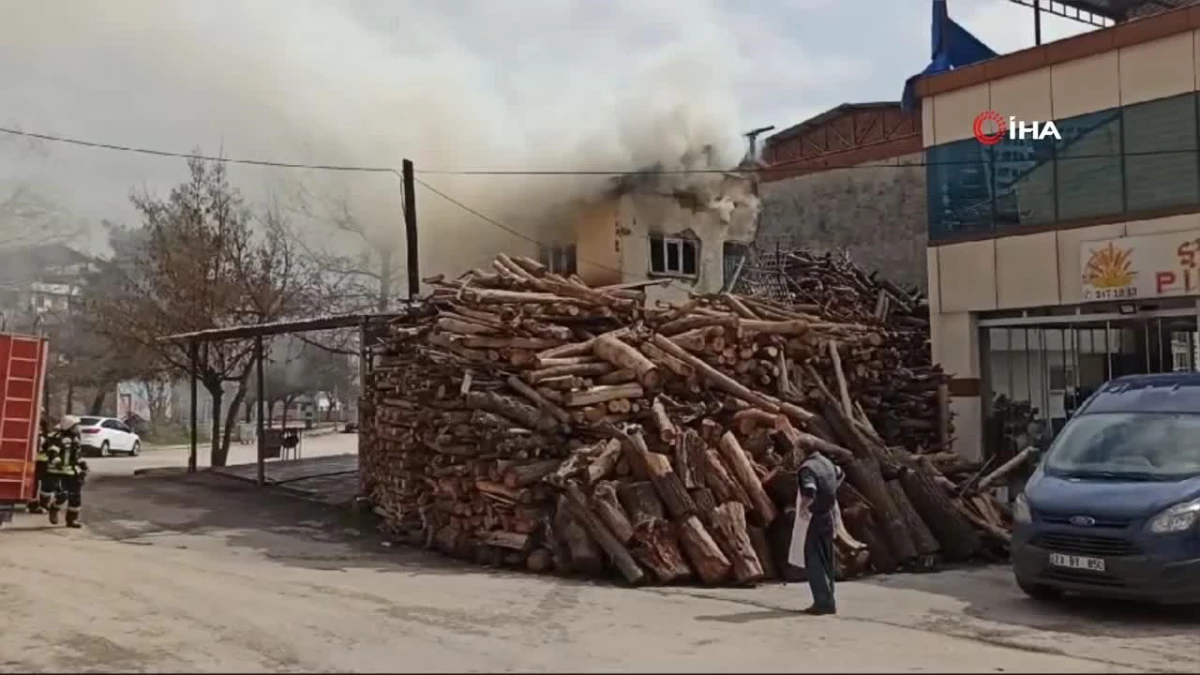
[451, 84]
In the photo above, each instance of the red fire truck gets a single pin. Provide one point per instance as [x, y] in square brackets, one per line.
[22, 376]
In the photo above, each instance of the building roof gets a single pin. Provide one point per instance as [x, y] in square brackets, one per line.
[1149, 20]
[20, 264]
[1124, 10]
[328, 322]
[818, 120]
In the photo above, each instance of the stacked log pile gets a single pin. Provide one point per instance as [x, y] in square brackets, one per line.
[527, 419]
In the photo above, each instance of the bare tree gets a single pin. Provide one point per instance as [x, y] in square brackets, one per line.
[203, 260]
[358, 281]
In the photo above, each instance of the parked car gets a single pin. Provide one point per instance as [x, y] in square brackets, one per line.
[105, 436]
[1113, 508]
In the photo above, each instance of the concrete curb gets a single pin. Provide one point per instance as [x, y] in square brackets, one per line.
[161, 471]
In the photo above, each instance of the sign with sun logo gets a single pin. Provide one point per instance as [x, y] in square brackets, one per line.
[1149, 266]
[1109, 267]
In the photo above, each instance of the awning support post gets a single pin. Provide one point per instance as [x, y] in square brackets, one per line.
[194, 355]
[260, 433]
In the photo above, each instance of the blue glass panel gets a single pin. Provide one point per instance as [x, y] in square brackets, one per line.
[959, 184]
[1089, 166]
[1023, 176]
[1161, 166]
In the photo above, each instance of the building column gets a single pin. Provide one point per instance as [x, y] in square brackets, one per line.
[956, 346]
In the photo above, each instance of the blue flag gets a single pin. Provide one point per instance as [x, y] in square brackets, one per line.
[951, 46]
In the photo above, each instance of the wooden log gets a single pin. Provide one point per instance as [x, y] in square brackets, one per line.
[582, 555]
[717, 478]
[602, 394]
[464, 327]
[762, 549]
[579, 348]
[523, 475]
[863, 473]
[539, 561]
[656, 547]
[667, 361]
[509, 540]
[667, 431]
[670, 489]
[843, 389]
[1005, 468]
[923, 539]
[521, 413]
[617, 552]
[626, 357]
[608, 509]
[702, 551]
[579, 370]
[617, 377]
[958, 539]
[604, 463]
[540, 401]
[737, 460]
[713, 376]
[641, 502]
[706, 504]
[689, 459]
[729, 523]
[507, 342]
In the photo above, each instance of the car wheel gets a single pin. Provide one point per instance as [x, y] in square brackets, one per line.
[104, 449]
[1040, 592]
[137, 449]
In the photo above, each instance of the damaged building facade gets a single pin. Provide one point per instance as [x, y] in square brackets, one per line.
[649, 227]
[850, 179]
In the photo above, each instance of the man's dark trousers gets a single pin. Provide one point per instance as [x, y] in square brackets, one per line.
[819, 561]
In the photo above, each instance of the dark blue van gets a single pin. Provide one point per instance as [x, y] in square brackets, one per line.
[1113, 508]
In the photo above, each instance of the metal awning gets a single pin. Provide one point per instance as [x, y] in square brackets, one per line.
[1124, 10]
[245, 331]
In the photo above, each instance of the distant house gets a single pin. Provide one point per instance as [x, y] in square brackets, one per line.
[40, 281]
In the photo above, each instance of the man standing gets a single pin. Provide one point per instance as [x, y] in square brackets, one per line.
[69, 472]
[819, 479]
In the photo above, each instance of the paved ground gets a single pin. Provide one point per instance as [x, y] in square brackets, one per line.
[177, 455]
[206, 574]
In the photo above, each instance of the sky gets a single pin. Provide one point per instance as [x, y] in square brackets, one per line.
[450, 84]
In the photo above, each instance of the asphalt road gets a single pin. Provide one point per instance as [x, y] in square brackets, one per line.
[157, 457]
[207, 574]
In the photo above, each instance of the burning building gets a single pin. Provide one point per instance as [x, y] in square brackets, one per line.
[689, 229]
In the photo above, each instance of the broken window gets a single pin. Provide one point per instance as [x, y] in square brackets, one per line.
[673, 256]
[559, 259]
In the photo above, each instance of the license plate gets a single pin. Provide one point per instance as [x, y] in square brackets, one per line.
[1076, 562]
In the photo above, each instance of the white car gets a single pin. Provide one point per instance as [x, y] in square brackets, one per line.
[108, 435]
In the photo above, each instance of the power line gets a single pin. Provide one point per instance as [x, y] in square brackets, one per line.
[281, 165]
[193, 155]
[774, 168]
[504, 227]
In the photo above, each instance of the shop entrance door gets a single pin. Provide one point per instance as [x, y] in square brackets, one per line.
[1041, 373]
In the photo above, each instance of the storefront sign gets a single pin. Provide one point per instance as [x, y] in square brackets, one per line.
[1151, 266]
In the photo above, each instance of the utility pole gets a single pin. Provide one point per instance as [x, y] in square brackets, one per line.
[752, 137]
[410, 229]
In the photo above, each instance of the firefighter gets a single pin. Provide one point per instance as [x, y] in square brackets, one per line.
[39, 472]
[68, 471]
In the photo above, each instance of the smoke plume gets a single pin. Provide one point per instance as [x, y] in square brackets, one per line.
[450, 84]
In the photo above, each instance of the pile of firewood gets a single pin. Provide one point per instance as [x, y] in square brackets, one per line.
[833, 286]
[526, 419]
